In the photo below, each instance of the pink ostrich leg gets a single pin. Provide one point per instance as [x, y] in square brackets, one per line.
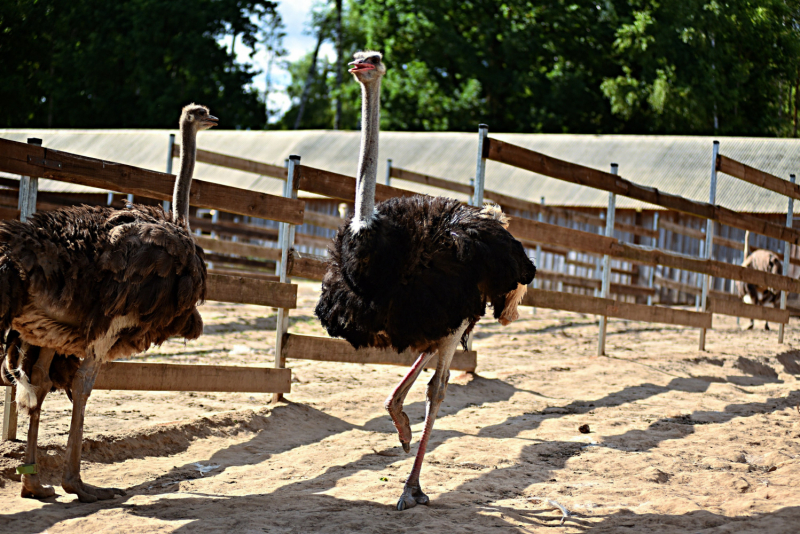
[437, 389]
[394, 403]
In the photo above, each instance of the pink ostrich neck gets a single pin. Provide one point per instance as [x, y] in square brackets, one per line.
[368, 159]
[183, 184]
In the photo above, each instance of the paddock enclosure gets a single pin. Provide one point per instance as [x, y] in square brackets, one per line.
[653, 263]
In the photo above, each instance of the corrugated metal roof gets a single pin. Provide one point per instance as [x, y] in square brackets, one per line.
[674, 164]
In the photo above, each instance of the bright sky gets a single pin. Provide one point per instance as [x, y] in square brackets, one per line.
[296, 15]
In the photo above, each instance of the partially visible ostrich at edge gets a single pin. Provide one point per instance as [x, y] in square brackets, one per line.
[415, 272]
[760, 260]
[98, 284]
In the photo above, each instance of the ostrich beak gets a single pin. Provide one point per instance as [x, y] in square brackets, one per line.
[360, 65]
[211, 120]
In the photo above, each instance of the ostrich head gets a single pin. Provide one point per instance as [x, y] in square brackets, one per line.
[367, 66]
[198, 117]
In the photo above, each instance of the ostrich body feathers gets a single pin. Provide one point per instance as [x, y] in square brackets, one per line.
[113, 281]
[417, 272]
[760, 260]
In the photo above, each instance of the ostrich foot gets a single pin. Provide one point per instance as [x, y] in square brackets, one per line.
[88, 493]
[33, 489]
[412, 496]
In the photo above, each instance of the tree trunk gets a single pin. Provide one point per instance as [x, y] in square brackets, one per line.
[312, 71]
[796, 102]
[337, 119]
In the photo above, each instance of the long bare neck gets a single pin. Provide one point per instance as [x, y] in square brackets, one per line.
[368, 159]
[180, 195]
[746, 243]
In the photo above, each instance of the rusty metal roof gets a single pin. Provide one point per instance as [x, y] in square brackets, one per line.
[674, 164]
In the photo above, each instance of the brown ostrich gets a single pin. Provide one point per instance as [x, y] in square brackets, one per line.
[99, 284]
[760, 260]
[416, 272]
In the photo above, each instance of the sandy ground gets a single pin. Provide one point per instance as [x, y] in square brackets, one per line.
[680, 441]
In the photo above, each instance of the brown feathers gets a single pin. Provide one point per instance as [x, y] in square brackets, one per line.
[67, 274]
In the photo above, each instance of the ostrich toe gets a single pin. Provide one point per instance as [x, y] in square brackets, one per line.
[412, 496]
[87, 493]
[33, 489]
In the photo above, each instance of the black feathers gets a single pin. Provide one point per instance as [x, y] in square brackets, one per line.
[419, 270]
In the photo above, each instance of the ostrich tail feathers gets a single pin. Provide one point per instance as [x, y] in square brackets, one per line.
[510, 312]
[493, 211]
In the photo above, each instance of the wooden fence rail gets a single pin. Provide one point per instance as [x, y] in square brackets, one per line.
[32, 160]
[530, 160]
[589, 242]
[516, 203]
[557, 300]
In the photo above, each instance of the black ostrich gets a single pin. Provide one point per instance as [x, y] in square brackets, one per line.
[416, 272]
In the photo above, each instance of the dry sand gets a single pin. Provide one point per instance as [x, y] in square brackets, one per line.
[680, 441]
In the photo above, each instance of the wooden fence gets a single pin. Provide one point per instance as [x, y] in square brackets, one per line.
[32, 162]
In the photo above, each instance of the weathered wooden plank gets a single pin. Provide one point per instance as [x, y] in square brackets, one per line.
[636, 230]
[108, 175]
[717, 269]
[681, 229]
[234, 162]
[322, 220]
[246, 290]
[757, 177]
[9, 214]
[338, 350]
[448, 185]
[577, 263]
[551, 234]
[588, 242]
[307, 266]
[130, 376]
[611, 308]
[239, 249]
[737, 308]
[581, 175]
[339, 186]
[246, 274]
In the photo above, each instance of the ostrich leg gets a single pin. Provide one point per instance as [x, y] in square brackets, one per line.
[81, 389]
[394, 404]
[40, 380]
[437, 389]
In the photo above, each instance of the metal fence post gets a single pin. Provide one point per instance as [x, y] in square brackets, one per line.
[612, 204]
[388, 172]
[480, 172]
[787, 252]
[697, 297]
[170, 150]
[287, 242]
[28, 190]
[712, 199]
[651, 279]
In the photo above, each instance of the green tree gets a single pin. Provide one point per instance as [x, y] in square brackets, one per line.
[702, 67]
[600, 66]
[130, 63]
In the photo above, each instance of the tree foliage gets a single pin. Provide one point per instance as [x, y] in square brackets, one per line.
[126, 63]
[583, 66]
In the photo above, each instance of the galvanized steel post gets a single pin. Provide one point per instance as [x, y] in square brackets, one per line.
[606, 284]
[653, 267]
[787, 253]
[287, 243]
[170, 150]
[538, 260]
[700, 278]
[388, 172]
[712, 199]
[480, 172]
